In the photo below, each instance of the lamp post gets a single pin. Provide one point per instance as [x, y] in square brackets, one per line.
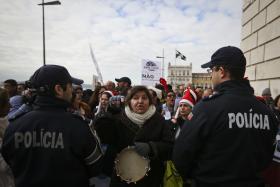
[162, 57]
[43, 15]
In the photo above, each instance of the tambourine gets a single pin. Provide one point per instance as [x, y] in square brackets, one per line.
[130, 166]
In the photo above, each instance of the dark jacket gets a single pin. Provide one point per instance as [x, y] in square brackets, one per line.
[156, 133]
[104, 126]
[229, 139]
[50, 147]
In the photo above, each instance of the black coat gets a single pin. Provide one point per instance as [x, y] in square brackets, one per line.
[156, 133]
[51, 147]
[229, 139]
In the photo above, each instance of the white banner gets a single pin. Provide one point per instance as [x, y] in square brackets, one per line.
[151, 72]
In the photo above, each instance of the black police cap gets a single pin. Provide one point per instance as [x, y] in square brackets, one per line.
[231, 56]
[51, 75]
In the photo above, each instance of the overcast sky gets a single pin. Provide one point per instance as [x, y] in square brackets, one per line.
[121, 32]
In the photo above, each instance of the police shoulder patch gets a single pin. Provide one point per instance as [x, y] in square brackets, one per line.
[210, 97]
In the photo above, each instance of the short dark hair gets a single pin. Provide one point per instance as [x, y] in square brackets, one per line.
[12, 82]
[235, 73]
[4, 97]
[48, 90]
[4, 102]
[170, 91]
[136, 89]
[78, 88]
[107, 94]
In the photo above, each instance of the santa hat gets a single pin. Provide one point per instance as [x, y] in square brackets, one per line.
[189, 97]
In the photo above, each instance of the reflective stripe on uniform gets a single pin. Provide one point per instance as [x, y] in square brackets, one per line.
[97, 152]
[94, 156]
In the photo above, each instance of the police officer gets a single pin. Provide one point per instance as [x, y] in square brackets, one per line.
[229, 140]
[49, 146]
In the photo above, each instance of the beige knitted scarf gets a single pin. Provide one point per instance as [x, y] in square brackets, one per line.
[140, 119]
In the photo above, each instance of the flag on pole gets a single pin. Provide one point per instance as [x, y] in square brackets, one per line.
[178, 54]
[96, 65]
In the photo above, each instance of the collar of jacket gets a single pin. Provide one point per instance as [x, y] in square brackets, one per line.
[50, 102]
[235, 86]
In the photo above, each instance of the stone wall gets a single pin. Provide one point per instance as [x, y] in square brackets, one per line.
[261, 43]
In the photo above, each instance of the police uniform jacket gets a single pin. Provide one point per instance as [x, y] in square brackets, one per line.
[229, 140]
[154, 132]
[50, 147]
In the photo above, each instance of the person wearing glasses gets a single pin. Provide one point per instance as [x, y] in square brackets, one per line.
[229, 139]
[168, 110]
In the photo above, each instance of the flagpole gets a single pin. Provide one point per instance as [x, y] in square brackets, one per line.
[96, 64]
[162, 68]
[175, 68]
[163, 62]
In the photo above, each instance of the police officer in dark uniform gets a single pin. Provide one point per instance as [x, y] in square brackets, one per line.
[49, 146]
[229, 139]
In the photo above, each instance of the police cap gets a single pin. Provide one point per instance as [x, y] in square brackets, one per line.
[51, 75]
[230, 56]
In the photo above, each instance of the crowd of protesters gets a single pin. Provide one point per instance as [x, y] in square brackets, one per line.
[75, 136]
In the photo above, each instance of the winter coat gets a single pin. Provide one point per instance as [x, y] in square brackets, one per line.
[51, 147]
[156, 133]
[229, 139]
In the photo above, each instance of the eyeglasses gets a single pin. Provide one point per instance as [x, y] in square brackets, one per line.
[170, 95]
[209, 70]
[214, 68]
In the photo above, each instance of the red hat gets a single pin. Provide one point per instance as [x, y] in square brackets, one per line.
[189, 97]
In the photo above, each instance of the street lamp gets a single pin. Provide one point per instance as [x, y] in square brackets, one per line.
[162, 57]
[43, 12]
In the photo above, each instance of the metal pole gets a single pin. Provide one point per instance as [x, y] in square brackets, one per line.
[44, 46]
[163, 62]
[175, 68]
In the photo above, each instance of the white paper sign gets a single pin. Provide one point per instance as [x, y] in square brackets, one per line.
[151, 72]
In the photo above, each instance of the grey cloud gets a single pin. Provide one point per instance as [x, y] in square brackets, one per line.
[119, 42]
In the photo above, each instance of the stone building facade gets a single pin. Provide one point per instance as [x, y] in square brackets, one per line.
[179, 75]
[201, 80]
[261, 43]
[182, 75]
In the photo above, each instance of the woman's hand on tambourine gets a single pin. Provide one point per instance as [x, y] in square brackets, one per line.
[142, 148]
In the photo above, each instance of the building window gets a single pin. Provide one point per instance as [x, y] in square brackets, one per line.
[184, 72]
[188, 72]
